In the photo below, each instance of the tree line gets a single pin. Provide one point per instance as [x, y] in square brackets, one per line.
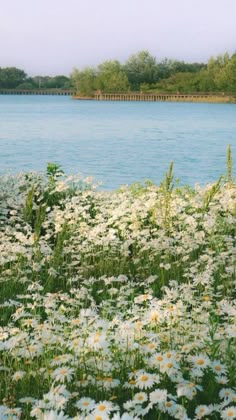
[14, 78]
[141, 72]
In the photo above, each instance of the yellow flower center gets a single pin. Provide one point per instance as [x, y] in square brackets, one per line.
[200, 362]
[154, 316]
[168, 404]
[159, 358]
[98, 418]
[63, 371]
[151, 346]
[169, 365]
[140, 397]
[230, 413]
[101, 407]
[143, 378]
[75, 321]
[217, 367]
[11, 411]
[85, 403]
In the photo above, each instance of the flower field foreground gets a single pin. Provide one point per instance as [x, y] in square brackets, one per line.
[116, 305]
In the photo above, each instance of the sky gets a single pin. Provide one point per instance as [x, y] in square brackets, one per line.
[50, 37]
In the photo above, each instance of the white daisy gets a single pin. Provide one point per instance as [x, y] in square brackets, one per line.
[200, 361]
[201, 411]
[63, 374]
[140, 397]
[103, 407]
[146, 380]
[158, 396]
[85, 404]
[228, 413]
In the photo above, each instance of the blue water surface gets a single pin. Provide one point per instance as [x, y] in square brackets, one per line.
[116, 142]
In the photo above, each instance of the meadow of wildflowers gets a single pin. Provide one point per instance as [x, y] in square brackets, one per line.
[117, 305]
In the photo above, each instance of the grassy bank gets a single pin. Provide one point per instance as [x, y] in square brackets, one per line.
[117, 305]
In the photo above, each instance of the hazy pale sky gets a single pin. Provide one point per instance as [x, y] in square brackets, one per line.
[52, 36]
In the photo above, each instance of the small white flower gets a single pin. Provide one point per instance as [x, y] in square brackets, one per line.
[146, 380]
[202, 410]
[53, 415]
[103, 407]
[85, 404]
[228, 413]
[140, 398]
[18, 375]
[63, 374]
[158, 396]
[200, 361]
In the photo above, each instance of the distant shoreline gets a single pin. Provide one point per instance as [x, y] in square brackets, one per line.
[160, 97]
[130, 96]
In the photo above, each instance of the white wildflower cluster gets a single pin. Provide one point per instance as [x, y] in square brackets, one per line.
[116, 305]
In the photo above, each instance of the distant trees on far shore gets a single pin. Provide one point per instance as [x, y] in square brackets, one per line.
[14, 78]
[141, 72]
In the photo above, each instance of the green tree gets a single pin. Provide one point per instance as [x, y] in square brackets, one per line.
[84, 81]
[41, 82]
[167, 68]
[183, 82]
[215, 73]
[111, 77]
[228, 76]
[11, 77]
[26, 85]
[141, 68]
[58, 82]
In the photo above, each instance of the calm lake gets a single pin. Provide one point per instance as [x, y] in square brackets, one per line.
[116, 142]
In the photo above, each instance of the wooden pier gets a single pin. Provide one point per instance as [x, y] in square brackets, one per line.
[60, 92]
[164, 97]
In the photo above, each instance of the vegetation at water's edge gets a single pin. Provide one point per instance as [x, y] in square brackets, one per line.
[141, 72]
[117, 305]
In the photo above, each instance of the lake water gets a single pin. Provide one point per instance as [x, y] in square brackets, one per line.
[116, 142]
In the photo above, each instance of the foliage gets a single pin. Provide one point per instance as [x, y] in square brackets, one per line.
[218, 76]
[11, 77]
[84, 81]
[47, 82]
[141, 68]
[229, 164]
[141, 72]
[117, 305]
[111, 77]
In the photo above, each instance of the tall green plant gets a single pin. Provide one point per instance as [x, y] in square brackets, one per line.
[229, 164]
[166, 187]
